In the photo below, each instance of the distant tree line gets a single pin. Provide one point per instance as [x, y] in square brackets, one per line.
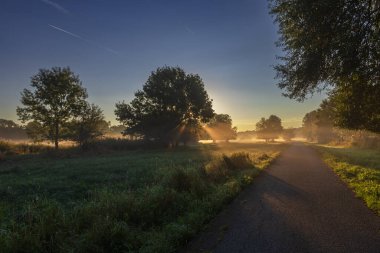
[173, 107]
[10, 130]
[321, 126]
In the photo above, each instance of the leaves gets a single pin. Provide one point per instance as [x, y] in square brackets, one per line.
[220, 128]
[56, 98]
[170, 106]
[89, 125]
[333, 44]
[269, 128]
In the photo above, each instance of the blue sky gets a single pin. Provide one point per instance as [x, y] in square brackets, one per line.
[114, 45]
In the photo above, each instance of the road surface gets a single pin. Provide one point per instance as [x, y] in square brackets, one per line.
[296, 205]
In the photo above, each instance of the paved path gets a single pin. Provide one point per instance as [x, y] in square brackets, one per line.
[296, 205]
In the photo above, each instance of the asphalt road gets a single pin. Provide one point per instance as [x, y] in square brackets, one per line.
[296, 205]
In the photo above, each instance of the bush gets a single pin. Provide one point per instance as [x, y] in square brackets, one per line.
[217, 170]
[5, 147]
[238, 161]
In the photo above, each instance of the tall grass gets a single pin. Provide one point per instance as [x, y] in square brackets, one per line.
[360, 169]
[139, 201]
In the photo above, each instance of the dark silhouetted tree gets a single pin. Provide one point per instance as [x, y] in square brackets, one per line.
[269, 129]
[356, 106]
[36, 131]
[4, 123]
[58, 96]
[89, 125]
[220, 128]
[10, 130]
[168, 109]
[336, 44]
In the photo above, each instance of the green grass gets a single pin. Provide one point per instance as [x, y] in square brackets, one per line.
[127, 201]
[359, 168]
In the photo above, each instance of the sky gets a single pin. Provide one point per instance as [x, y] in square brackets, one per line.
[114, 45]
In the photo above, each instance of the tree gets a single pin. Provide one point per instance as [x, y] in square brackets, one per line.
[309, 125]
[288, 134]
[58, 96]
[168, 109]
[220, 128]
[10, 130]
[116, 131]
[4, 123]
[318, 124]
[89, 125]
[356, 107]
[36, 131]
[269, 129]
[336, 44]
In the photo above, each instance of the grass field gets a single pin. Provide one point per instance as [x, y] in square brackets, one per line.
[359, 168]
[134, 201]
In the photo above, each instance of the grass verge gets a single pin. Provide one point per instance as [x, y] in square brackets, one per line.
[130, 201]
[359, 168]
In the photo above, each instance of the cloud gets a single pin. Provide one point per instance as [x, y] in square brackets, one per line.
[56, 6]
[85, 40]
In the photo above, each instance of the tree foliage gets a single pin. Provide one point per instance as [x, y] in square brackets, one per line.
[318, 124]
[169, 108]
[10, 130]
[269, 129]
[220, 128]
[56, 98]
[4, 123]
[288, 134]
[89, 125]
[356, 106]
[36, 131]
[332, 43]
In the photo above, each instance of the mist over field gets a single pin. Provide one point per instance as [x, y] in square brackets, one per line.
[189, 126]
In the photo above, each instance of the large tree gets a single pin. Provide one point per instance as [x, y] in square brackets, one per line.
[169, 108]
[332, 44]
[269, 129]
[56, 98]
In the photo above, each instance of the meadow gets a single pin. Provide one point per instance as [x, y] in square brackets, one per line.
[140, 200]
[359, 169]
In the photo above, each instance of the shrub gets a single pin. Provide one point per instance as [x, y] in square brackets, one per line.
[186, 180]
[217, 170]
[238, 161]
[5, 147]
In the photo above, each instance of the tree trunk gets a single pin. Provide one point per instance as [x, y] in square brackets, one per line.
[56, 136]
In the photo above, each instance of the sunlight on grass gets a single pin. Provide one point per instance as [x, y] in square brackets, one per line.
[360, 169]
[146, 201]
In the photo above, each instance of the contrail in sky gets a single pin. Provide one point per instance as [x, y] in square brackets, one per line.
[67, 32]
[83, 39]
[56, 6]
